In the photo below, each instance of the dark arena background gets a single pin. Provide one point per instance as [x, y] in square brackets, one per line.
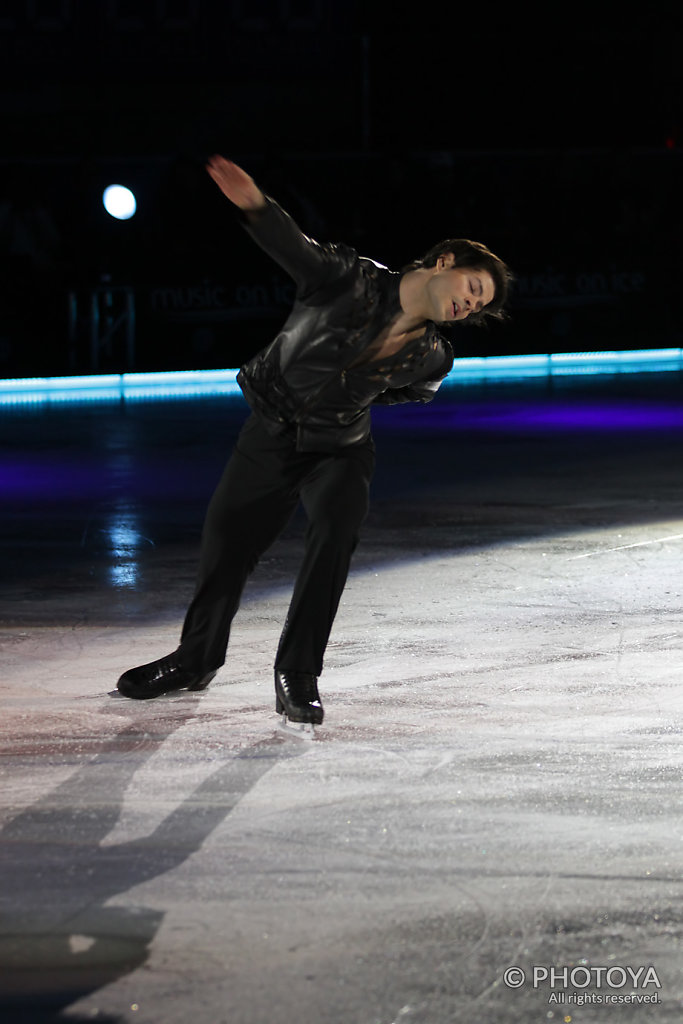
[487, 826]
[554, 141]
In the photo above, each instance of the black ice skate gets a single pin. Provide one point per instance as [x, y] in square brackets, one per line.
[298, 702]
[162, 676]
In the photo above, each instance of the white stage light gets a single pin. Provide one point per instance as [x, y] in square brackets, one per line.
[119, 202]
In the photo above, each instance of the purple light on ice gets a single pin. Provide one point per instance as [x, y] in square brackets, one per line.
[68, 476]
[534, 417]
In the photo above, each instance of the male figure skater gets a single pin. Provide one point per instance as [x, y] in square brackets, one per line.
[357, 334]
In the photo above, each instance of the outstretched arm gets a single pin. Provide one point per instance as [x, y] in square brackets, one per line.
[239, 187]
[310, 264]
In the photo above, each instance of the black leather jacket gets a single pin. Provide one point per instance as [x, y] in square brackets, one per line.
[313, 377]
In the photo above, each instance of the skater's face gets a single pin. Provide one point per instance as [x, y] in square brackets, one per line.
[456, 292]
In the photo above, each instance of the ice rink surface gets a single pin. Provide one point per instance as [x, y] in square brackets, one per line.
[496, 786]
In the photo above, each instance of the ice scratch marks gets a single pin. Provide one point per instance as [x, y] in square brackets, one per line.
[624, 547]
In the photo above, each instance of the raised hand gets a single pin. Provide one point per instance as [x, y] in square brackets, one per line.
[239, 187]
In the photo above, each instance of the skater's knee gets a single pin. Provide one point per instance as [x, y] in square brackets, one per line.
[335, 527]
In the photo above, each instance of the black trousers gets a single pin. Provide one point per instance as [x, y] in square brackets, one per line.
[261, 487]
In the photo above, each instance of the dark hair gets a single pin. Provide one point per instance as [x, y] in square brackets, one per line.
[476, 256]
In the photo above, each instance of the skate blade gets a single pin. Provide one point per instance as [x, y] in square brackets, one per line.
[302, 730]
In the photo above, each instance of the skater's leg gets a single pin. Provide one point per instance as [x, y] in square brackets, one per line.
[251, 506]
[335, 498]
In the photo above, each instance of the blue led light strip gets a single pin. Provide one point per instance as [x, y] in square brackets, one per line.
[562, 364]
[193, 383]
[118, 386]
